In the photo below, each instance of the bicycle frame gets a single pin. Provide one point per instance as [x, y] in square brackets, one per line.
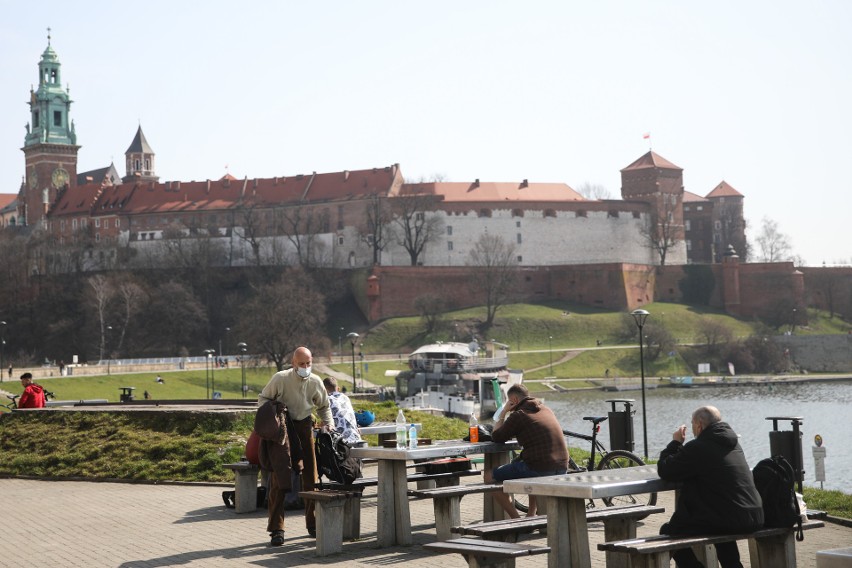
[596, 446]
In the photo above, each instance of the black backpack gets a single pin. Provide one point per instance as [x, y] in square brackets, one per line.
[775, 481]
[333, 459]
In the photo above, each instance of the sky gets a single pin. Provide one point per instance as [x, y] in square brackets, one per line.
[758, 93]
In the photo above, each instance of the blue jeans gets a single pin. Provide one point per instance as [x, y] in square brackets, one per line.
[518, 470]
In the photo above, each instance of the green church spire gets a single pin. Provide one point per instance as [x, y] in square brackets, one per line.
[50, 105]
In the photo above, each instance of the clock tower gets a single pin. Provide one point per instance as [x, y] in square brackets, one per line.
[50, 146]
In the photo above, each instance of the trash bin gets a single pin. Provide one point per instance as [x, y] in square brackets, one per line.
[788, 443]
[621, 425]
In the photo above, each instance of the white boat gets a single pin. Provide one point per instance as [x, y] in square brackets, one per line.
[456, 379]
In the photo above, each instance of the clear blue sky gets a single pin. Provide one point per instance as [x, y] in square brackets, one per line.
[756, 93]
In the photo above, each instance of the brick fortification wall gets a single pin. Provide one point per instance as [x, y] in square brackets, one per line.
[610, 286]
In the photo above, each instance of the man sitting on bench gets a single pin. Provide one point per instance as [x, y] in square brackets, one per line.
[539, 433]
[717, 493]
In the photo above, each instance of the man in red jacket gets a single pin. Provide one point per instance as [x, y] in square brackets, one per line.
[33, 395]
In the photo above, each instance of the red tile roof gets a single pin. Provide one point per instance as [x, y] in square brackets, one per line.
[141, 197]
[651, 160]
[724, 190]
[454, 192]
[6, 199]
[689, 197]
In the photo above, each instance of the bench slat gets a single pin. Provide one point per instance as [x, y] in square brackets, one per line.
[662, 543]
[486, 548]
[454, 490]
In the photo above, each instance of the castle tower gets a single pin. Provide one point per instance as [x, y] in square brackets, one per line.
[50, 146]
[728, 220]
[658, 182]
[139, 160]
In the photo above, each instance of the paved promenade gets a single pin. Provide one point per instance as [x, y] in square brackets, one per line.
[71, 524]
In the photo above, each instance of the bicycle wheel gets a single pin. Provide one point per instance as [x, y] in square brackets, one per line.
[522, 500]
[617, 459]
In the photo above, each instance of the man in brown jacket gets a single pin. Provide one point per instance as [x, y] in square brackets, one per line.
[539, 433]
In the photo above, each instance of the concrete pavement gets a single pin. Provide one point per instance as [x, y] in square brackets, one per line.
[86, 524]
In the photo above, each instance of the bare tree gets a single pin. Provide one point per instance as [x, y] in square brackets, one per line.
[252, 228]
[282, 316]
[415, 220]
[774, 246]
[715, 334]
[664, 229]
[101, 294]
[594, 191]
[302, 225]
[376, 230]
[495, 271]
[430, 307]
[174, 317]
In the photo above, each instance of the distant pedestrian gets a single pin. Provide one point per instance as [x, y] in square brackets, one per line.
[147, 395]
[10, 372]
[606, 373]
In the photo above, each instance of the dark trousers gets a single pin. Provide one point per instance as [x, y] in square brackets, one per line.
[305, 432]
[727, 552]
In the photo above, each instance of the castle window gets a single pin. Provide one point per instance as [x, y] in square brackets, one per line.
[138, 166]
[686, 207]
[687, 225]
[106, 223]
[74, 224]
[718, 225]
[340, 240]
[419, 216]
[449, 245]
[449, 230]
[688, 245]
[35, 119]
[57, 118]
[580, 213]
[518, 224]
[148, 165]
[98, 237]
[97, 222]
[520, 260]
[699, 208]
[520, 240]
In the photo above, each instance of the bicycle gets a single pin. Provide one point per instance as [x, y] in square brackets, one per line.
[609, 459]
[13, 398]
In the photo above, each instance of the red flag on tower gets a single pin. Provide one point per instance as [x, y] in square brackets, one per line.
[646, 136]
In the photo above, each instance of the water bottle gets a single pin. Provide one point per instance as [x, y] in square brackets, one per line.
[474, 428]
[400, 430]
[412, 437]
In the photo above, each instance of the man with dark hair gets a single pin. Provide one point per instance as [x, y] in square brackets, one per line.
[342, 412]
[33, 395]
[539, 433]
[301, 392]
[717, 487]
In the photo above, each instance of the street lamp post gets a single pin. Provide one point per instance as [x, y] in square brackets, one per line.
[2, 348]
[353, 339]
[639, 316]
[243, 348]
[211, 382]
[227, 329]
[106, 345]
[550, 343]
[361, 357]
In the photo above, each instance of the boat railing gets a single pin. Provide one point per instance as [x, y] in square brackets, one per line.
[449, 364]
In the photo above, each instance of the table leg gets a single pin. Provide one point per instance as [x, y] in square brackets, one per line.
[491, 510]
[385, 497]
[567, 534]
[401, 510]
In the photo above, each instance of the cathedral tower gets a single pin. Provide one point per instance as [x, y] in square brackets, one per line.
[139, 160]
[50, 146]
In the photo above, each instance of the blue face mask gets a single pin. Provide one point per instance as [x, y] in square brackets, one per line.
[303, 372]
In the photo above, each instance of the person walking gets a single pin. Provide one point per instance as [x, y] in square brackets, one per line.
[717, 493]
[301, 392]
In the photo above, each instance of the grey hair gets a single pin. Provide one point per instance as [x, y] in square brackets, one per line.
[707, 415]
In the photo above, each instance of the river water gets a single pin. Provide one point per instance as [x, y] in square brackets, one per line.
[826, 409]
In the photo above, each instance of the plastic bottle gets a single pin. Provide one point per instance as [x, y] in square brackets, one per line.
[474, 428]
[412, 437]
[400, 430]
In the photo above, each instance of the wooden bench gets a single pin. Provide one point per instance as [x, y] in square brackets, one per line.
[330, 515]
[447, 503]
[481, 553]
[619, 523]
[245, 486]
[768, 548]
[439, 479]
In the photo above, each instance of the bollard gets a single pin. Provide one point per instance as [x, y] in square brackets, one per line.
[621, 425]
[788, 443]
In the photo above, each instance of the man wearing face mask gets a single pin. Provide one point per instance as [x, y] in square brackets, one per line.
[302, 392]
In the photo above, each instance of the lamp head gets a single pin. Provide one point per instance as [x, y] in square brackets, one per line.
[639, 316]
[353, 338]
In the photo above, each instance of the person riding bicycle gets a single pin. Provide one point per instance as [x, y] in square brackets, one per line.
[539, 433]
[33, 395]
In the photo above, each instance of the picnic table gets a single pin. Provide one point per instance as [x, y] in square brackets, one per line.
[393, 514]
[567, 531]
[385, 430]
